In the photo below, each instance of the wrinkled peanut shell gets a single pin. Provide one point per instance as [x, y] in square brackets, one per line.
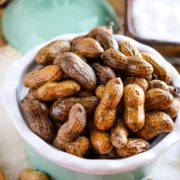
[119, 134]
[105, 113]
[162, 72]
[155, 124]
[47, 54]
[158, 99]
[37, 115]
[87, 47]
[76, 68]
[53, 90]
[134, 146]
[100, 141]
[134, 99]
[76, 123]
[37, 78]
[103, 73]
[79, 147]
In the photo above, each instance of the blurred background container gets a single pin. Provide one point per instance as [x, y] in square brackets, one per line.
[28, 23]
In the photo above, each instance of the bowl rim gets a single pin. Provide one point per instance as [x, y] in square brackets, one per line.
[9, 91]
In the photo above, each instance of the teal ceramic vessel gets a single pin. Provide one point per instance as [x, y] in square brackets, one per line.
[27, 23]
[61, 165]
[60, 173]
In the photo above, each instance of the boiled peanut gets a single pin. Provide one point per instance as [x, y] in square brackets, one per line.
[100, 141]
[174, 109]
[70, 130]
[74, 40]
[76, 68]
[79, 147]
[139, 81]
[158, 84]
[37, 115]
[87, 47]
[105, 113]
[162, 72]
[54, 90]
[47, 54]
[155, 124]
[119, 134]
[37, 78]
[99, 91]
[158, 99]
[99, 29]
[104, 36]
[61, 108]
[138, 67]
[134, 115]
[134, 146]
[114, 59]
[103, 73]
[128, 48]
[31, 174]
[133, 66]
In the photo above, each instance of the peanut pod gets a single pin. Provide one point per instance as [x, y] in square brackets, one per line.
[48, 53]
[87, 47]
[76, 123]
[104, 36]
[37, 115]
[103, 73]
[76, 68]
[37, 78]
[155, 124]
[134, 146]
[105, 113]
[119, 134]
[162, 72]
[134, 99]
[53, 90]
[158, 99]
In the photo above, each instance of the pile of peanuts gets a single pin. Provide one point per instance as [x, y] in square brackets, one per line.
[95, 97]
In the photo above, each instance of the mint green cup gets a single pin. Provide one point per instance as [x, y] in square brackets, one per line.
[60, 165]
[26, 23]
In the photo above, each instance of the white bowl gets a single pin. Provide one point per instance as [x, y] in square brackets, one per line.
[13, 92]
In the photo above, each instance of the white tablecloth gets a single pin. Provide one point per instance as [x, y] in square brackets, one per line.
[12, 155]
